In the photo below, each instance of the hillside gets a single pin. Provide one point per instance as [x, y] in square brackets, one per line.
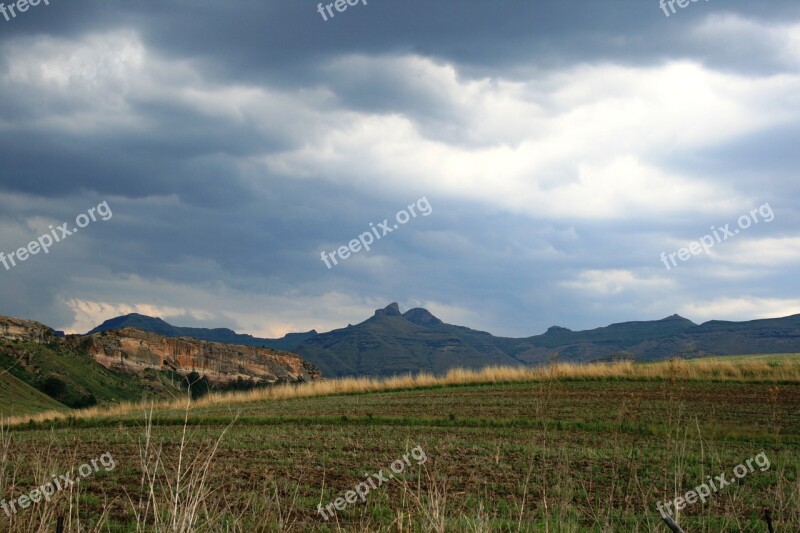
[775, 335]
[602, 342]
[72, 377]
[46, 362]
[18, 397]
[43, 370]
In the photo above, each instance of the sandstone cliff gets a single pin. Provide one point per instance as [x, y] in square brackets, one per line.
[132, 351]
[17, 329]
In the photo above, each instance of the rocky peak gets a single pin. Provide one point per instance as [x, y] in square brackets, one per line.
[393, 309]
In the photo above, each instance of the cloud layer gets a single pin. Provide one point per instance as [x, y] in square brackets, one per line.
[561, 150]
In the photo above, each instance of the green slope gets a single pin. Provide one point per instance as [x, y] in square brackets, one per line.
[17, 397]
[72, 378]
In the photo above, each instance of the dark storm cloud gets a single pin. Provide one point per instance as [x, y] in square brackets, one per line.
[275, 39]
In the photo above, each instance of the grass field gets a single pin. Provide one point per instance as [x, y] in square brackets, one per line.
[557, 449]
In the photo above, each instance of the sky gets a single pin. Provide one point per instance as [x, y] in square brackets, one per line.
[552, 152]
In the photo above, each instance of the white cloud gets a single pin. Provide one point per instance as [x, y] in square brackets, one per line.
[78, 86]
[612, 282]
[89, 314]
[588, 142]
[743, 308]
[451, 314]
[282, 314]
[102, 63]
[262, 315]
[766, 252]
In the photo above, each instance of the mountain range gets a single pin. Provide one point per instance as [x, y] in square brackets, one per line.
[227, 336]
[135, 356]
[391, 342]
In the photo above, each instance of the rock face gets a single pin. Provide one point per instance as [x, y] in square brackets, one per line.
[132, 350]
[18, 330]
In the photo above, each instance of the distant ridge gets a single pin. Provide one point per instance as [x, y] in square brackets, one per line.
[392, 342]
[224, 335]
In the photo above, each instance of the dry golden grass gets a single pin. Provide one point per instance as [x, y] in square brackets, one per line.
[738, 369]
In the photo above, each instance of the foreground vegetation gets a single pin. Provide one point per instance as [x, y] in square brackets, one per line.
[563, 448]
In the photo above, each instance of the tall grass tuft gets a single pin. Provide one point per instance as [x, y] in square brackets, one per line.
[174, 492]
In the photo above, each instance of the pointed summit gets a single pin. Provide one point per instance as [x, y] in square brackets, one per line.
[390, 310]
